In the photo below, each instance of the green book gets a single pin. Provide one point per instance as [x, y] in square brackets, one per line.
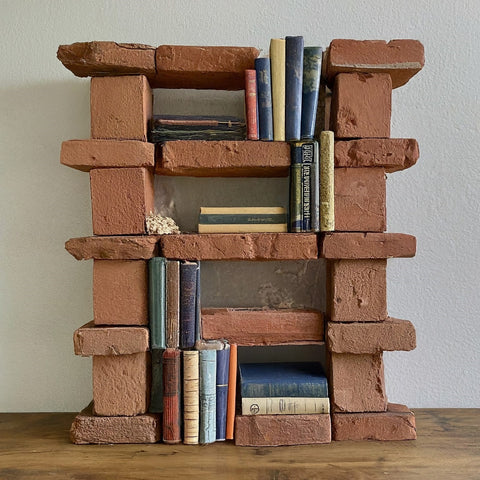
[156, 301]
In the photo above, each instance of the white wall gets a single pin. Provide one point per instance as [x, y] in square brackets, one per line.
[45, 294]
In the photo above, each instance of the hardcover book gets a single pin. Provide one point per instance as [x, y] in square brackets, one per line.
[223, 360]
[208, 368]
[293, 87]
[285, 405]
[173, 303]
[277, 64]
[251, 107]
[232, 391]
[156, 301]
[171, 396]
[188, 303]
[327, 176]
[264, 99]
[156, 391]
[191, 392]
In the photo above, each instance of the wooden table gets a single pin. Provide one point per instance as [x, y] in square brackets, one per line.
[36, 446]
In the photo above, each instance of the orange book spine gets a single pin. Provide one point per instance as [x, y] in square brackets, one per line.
[251, 104]
[171, 396]
[232, 391]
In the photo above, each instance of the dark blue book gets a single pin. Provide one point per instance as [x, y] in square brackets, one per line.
[198, 307]
[312, 68]
[264, 99]
[223, 362]
[157, 301]
[188, 303]
[290, 379]
[293, 87]
[156, 392]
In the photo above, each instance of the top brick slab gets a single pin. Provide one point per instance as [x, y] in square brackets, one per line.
[402, 59]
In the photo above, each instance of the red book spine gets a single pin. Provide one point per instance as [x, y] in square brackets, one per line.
[171, 396]
[251, 104]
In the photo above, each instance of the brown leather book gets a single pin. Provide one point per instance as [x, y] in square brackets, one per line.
[171, 396]
[173, 303]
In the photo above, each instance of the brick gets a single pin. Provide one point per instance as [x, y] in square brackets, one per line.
[397, 423]
[241, 246]
[89, 59]
[223, 159]
[133, 247]
[360, 200]
[262, 327]
[362, 105]
[401, 59]
[214, 68]
[357, 290]
[367, 245]
[274, 430]
[121, 384]
[121, 199]
[92, 340]
[357, 383]
[120, 107]
[390, 335]
[393, 154]
[88, 428]
[120, 292]
[87, 154]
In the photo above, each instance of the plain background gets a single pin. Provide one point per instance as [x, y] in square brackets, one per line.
[45, 294]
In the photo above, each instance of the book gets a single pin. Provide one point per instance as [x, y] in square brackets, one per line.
[296, 195]
[283, 379]
[172, 327]
[277, 67]
[264, 99]
[191, 392]
[156, 301]
[293, 87]
[207, 367]
[156, 390]
[312, 68]
[198, 306]
[223, 360]
[171, 396]
[232, 391]
[285, 405]
[188, 303]
[327, 192]
[251, 111]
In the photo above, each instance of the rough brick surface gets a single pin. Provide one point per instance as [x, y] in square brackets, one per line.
[121, 384]
[241, 246]
[120, 107]
[92, 340]
[367, 245]
[359, 337]
[357, 290]
[273, 430]
[360, 200]
[262, 327]
[397, 423]
[401, 59]
[357, 383]
[120, 292]
[88, 428]
[217, 68]
[223, 158]
[393, 154]
[362, 105]
[87, 154]
[121, 199]
[113, 248]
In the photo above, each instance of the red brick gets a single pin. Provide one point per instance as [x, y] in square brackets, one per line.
[120, 107]
[359, 337]
[362, 105]
[121, 384]
[224, 159]
[121, 199]
[357, 383]
[360, 200]
[401, 59]
[87, 154]
[397, 423]
[120, 292]
[274, 430]
[92, 340]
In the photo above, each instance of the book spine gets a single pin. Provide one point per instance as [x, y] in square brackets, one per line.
[293, 87]
[312, 68]
[223, 360]
[285, 406]
[156, 391]
[264, 97]
[173, 303]
[310, 186]
[296, 194]
[315, 190]
[198, 306]
[306, 181]
[256, 390]
[171, 396]
[327, 208]
[208, 367]
[188, 290]
[191, 392]
[219, 219]
[156, 299]
[243, 228]
[277, 61]
[232, 391]
[251, 104]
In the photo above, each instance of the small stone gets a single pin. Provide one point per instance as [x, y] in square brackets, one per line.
[160, 225]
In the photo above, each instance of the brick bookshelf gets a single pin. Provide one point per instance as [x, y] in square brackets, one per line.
[355, 328]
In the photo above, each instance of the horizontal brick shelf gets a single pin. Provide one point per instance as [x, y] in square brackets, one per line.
[263, 327]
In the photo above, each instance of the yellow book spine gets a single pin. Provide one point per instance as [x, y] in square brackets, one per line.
[241, 210]
[285, 406]
[327, 209]
[243, 228]
[277, 66]
[191, 407]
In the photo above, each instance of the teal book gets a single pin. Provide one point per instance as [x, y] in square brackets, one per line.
[157, 301]
[208, 398]
[156, 392]
[312, 68]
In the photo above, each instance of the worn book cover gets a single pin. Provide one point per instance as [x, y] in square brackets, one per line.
[223, 360]
[188, 303]
[312, 68]
[251, 107]
[264, 99]
[285, 405]
[277, 63]
[173, 303]
[191, 399]
[171, 396]
[208, 398]
[156, 301]
[293, 87]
